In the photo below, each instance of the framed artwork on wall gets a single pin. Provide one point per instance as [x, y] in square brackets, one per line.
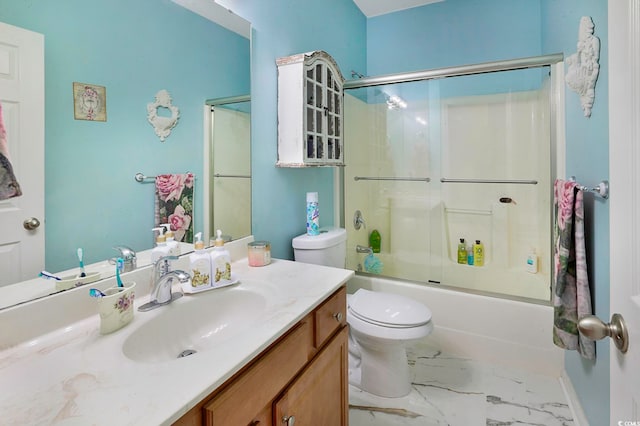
[89, 102]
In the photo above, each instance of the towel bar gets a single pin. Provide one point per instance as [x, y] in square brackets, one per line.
[139, 177]
[602, 189]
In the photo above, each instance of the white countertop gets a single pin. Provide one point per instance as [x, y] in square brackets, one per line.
[73, 375]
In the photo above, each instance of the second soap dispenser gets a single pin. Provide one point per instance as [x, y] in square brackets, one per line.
[200, 267]
[220, 261]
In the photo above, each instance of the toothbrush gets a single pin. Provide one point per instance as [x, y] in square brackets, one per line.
[118, 262]
[48, 275]
[80, 254]
[94, 292]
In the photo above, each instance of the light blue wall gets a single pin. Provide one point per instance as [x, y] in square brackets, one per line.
[282, 28]
[588, 159]
[457, 32]
[134, 49]
[453, 32]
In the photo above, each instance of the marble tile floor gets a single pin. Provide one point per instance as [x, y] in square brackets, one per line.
[454, 391]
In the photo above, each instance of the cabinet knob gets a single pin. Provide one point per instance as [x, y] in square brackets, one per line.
[289, 420]
[338, 316]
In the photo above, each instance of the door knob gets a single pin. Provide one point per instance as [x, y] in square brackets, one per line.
[594, 328]
[31, 223]
[289, 420]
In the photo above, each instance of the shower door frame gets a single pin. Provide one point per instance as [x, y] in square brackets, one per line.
[556, 123]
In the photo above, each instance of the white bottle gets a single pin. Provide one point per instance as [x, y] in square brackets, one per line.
[174, 246]
[220, 261]
[200, 267]
[160, 250]
[532, 262]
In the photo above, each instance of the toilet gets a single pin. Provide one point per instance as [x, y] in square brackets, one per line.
[329, 248]
[380, 324]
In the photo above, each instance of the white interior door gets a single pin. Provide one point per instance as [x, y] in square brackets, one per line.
[624, 154]
[22, 98]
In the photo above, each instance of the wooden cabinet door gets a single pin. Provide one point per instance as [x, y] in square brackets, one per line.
[244, 400]
[319, 395]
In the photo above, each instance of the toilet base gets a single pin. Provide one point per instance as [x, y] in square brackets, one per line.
[381, 371]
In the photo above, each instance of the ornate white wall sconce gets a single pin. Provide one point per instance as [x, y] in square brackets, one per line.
[162, 124]
[583, 66]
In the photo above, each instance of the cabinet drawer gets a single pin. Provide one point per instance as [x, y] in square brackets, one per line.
[245, 399]
[330, 316]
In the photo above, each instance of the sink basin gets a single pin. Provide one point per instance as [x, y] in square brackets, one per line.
[195, 323]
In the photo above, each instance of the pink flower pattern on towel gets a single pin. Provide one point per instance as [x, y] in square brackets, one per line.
[572, 296]
[174, 204]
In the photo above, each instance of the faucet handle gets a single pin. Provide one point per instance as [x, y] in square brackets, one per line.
[164, 259]
[358, 220]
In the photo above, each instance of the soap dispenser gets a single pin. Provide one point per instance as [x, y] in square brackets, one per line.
[220, 260]
[161, 249]
[174, 246]
[200, 267]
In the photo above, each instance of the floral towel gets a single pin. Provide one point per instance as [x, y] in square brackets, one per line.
[9, 186]
[572, 297]
[174, 204]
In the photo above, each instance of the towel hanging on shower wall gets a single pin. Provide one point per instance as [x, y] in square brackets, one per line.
[174, 204]
[572, 297]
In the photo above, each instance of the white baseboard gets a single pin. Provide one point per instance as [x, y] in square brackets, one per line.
[579, 418]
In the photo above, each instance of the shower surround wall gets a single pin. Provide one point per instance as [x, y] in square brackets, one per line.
[496, 136]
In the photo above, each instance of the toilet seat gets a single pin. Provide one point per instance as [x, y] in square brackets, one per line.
[388, 310]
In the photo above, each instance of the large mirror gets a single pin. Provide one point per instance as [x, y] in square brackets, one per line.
[129, 51]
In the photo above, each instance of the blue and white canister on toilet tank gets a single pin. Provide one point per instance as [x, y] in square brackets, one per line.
[313, 215]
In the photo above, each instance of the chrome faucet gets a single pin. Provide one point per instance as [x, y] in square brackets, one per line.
[128, 256]
[363, 249]
[161, 293]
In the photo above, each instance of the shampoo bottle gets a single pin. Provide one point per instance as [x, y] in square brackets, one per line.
[200, 266]
[532, 262]
[174, 246]
[220, 261]
[375, 241]
[462, 252]
[478, 253]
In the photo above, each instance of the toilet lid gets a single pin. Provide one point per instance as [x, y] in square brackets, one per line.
[390, 310]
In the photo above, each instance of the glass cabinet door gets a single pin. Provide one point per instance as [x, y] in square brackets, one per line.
[323, 109]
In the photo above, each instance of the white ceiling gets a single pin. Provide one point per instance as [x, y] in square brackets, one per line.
[380, 7]
[221, 11]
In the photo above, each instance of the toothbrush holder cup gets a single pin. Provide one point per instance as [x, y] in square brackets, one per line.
[116, 307]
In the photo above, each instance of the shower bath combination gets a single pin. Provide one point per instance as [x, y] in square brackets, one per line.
[468, 156]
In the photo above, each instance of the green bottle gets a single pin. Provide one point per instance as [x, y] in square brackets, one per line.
[375, 240]
[462, 252]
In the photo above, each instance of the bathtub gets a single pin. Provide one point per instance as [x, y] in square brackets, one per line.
[505, 332]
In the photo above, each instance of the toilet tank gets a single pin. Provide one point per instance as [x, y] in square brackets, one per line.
[329, 248]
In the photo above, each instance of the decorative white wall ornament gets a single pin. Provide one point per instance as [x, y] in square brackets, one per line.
[162, 124]
[583, 67]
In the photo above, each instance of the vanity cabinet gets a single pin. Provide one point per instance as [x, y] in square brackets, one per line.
[310, 111]
[302, 378]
